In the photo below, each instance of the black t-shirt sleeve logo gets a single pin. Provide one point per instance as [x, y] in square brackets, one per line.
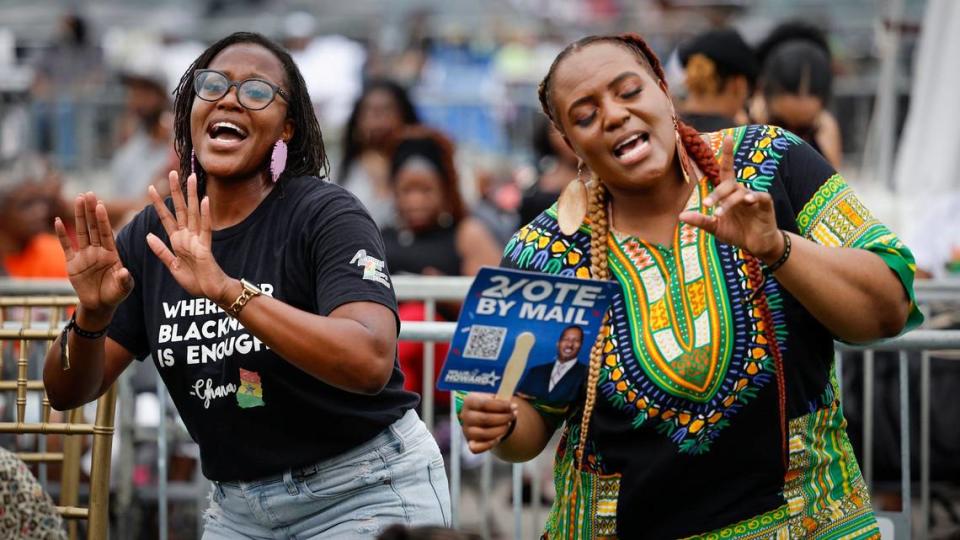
[372, 268]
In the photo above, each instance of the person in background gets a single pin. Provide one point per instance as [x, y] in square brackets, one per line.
[27, 247]
[70, 69]
[433, 234]
[382, 109]
[332, 65]
[556, 164]
[721, 71]
[146, 150]
[795, 86]
[496, 208]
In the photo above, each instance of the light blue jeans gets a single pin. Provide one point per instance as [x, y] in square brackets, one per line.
[396, 477]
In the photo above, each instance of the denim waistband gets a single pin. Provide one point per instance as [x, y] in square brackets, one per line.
[405, 431]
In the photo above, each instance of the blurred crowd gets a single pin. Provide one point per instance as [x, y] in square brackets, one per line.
[498, 161]
[441, 139]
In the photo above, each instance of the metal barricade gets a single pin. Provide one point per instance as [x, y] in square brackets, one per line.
[431, 290]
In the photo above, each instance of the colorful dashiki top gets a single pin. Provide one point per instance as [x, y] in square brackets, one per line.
[686, 437]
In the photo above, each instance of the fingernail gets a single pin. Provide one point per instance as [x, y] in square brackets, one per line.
[708, 201]
[750, 198]
[719, 212]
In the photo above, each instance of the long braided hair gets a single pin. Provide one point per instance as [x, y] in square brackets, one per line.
[703, 155]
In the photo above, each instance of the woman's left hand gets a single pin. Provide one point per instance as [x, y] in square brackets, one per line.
[742, 217]
[191, 261]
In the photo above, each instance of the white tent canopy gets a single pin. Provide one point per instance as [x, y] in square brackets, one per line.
[927, 173]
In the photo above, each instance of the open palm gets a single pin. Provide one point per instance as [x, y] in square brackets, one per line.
[94, 267]
[189, 257]
[741, 217]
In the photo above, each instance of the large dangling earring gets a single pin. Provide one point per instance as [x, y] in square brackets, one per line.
[193, 162]
[278, 159]
[572, 204]
[686, 165]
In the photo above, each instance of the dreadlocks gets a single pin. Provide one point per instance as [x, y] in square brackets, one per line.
[306, 154]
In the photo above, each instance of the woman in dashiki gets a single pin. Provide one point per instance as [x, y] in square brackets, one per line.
[710, 408]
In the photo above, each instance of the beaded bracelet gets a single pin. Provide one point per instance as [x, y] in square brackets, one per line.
[783, 258]
[72, 325]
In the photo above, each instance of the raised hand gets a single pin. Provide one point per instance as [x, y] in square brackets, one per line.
[94, 268]
[742, 217]
[485, 420]
[189, 257]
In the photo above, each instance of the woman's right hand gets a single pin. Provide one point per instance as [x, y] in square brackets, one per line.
[485, 420]
[95, 270]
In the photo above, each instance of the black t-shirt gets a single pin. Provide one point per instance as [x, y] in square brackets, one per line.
[412, 253]
[309, 244]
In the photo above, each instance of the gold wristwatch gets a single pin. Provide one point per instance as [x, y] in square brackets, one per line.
[249, 291]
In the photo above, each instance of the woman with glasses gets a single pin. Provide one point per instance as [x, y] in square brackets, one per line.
[260, 291]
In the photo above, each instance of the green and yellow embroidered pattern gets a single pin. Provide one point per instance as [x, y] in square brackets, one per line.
[692, 425]
[825, 492]
[589, 509]
[538, 248]
[835, 217]
[657, 324]
[677, 308]
[767, 526]
[760, 159]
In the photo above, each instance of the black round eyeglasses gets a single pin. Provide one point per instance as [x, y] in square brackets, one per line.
[253, 94]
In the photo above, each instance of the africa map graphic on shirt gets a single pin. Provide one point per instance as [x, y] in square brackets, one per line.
[250, 394]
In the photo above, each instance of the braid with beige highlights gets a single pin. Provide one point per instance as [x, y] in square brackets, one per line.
[599, 229]
[704, 156]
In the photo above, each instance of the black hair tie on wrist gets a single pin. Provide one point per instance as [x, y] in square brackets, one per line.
[87, 334]
[783, 258]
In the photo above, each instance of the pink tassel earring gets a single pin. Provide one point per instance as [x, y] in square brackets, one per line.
[278, 159]
[193, 162]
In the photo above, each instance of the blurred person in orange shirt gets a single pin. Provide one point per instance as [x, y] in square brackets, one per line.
[27, 246]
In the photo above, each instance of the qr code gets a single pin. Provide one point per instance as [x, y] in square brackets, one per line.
[485, 342]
